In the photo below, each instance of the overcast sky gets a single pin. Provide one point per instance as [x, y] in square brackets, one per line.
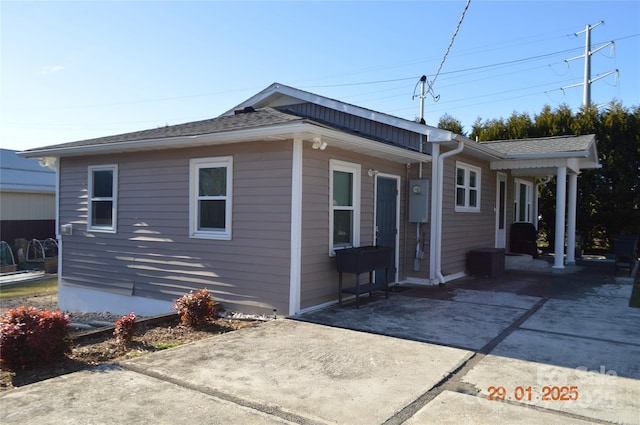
[79, 69]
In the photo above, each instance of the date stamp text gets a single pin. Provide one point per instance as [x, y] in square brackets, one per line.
[522, 393]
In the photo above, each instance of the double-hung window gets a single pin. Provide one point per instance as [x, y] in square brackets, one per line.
[467, 188]
[102, 198]
[523, 200]
[344, 220]
[210, 197]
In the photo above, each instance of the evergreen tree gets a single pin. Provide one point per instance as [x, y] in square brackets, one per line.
[609, 197]
[447, 122]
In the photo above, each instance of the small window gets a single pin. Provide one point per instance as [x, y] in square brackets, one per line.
[210, 197]
[523, 200]
[344, 205]
[103, 198]
[467, 188]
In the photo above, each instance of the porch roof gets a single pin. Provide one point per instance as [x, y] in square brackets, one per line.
[542, 156]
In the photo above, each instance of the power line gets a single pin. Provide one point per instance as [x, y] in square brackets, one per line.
[455, 33]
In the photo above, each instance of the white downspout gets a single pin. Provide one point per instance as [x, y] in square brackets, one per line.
[438, 209]
[295, 271]
[53, 163]
[435, 154]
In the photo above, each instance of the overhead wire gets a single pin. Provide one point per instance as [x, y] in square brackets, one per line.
[444, 58]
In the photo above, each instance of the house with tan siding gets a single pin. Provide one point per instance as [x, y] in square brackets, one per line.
[254, 204]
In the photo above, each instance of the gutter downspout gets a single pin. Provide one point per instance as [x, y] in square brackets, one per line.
[436, 246]
[54, 164]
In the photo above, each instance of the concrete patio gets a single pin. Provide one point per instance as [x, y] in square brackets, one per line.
[562, 348]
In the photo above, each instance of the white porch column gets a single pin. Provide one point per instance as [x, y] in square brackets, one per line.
[561, 201]
[571, 218]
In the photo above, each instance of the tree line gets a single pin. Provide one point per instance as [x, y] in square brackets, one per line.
[609, 197]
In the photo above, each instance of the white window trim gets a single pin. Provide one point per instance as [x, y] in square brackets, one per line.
[114, 199]
[516, 201]
[194, 167]
[355, 169]
[467, 168]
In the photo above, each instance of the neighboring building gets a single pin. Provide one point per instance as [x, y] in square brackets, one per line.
[252, 205]
[27, 198]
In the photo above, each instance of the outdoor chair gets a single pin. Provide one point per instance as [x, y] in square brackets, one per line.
[523, 239]
[626, 252]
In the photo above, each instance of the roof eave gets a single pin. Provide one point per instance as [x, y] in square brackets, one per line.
[550, 155]
[232, 136]
[304, 129]
[476, 149]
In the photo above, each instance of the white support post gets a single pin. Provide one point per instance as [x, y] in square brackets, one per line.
[561, 202]
[571, 218]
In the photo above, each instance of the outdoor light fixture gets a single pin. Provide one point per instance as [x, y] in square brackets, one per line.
[319, 144]
[372, 173]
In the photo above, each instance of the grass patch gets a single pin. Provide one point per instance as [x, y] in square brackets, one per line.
[26, 289]
[164, 346]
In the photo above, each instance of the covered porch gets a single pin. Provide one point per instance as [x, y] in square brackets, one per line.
[561, 157]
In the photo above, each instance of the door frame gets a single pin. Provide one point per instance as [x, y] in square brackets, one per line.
[397, 178]
[501, 236]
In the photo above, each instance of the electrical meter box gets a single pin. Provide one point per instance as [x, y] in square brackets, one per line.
[418, 201]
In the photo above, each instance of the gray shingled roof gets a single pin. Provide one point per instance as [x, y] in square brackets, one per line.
[241, 121]
[541, 146]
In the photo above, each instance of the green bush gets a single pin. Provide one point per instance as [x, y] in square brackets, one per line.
[125, 329]
[195, 308]
[32, 337]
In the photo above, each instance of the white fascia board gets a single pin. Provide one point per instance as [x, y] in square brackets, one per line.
[550, 155]
[279, 131]
[235, 136]
[434, 134]
[572, 164]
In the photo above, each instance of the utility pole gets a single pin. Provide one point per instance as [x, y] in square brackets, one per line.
[586, 97]
[423, 81]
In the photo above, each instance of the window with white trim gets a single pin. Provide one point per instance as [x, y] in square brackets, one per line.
[102, 214]
[467, 188]
[344, 219]
[210, 190]
[523, 200]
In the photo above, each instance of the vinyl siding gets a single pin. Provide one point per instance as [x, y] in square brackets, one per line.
[361, 126]
[27, 206]
[152, 254]
[319, 279]
[465, 231]
[425, 228]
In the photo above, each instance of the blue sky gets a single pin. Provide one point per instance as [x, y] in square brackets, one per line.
[79, 69]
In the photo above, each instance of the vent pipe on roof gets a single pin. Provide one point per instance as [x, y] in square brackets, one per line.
[246, 110]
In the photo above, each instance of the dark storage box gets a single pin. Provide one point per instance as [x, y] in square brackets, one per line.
[486, 262]
[363, 259]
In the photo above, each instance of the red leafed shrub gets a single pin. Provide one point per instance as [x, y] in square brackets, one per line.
[195, 308]
[31, 337]
[125, 328]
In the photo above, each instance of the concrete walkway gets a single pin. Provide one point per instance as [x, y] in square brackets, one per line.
[427, 355]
